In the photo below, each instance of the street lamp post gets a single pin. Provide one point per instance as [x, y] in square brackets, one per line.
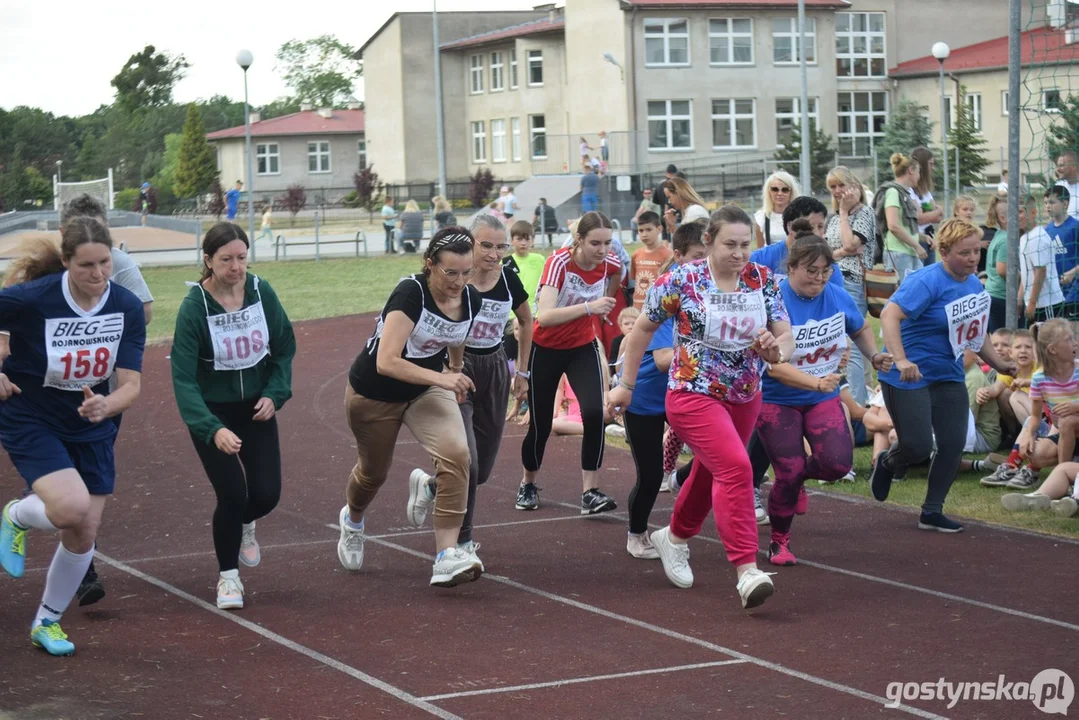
[941, 51]
[244, 59]
[59, 173]
[439, 122]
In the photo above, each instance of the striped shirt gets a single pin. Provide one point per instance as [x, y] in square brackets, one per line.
[1053, 392]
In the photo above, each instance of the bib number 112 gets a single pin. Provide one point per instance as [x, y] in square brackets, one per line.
[82, 364]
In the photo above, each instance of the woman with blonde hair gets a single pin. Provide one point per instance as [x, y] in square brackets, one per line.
[682, 197]
[902, 251]
[778, 191]
[929, 212]
[411, 226]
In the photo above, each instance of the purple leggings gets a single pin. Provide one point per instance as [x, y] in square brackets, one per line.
[781, 429]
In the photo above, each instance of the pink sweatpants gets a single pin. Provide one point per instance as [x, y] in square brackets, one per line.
[722, 477]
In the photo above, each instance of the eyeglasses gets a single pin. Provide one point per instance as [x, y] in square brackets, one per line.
[783, 190]
[456, 274]
[819, 273]
[501, 247]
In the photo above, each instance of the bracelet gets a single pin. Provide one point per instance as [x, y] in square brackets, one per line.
[456, 368]
[626, 385]
[818, 385]
[524, 374]
[587, 310]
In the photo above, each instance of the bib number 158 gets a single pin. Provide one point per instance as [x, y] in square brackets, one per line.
[85, 363]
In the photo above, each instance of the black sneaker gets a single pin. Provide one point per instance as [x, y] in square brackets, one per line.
[938, 523]
[880, 478]
[528, 497]
[90, 590]
[594, 501]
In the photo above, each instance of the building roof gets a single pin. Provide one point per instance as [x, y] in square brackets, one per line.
[533, 27]
[359, 53]
[307, 122]
[741, 4]
[1040, 46]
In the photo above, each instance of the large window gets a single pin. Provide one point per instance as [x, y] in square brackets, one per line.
[670, 125]
[361, 151]
[497, 78]
[537, 136]
[785, 41]
[498, 141]
[318, 156]
[974, 107]
[268, 158]
[479, 142]
[730, 41]
[1051, 101]
[734, 123]
[535, 68]
[789, 114]
[859, 45]
[861, 121]
[513, 69]
[515, 139]
[666, 41]
[475, 72]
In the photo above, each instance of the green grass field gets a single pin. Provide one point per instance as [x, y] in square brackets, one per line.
[330, 288]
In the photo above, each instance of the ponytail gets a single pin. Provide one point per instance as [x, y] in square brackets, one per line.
[34, 258]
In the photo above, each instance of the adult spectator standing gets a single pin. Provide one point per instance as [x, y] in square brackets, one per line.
[509, 203]
[683, 204]
[1068, 176]
[147, 201]
[389, 216]
[589, 190]
[444, 216]
[929, 212]
[659, 195]
[411, 223]
[545, 222]
[897, 216]
[779, 190]
[996, 261]
[232, 200]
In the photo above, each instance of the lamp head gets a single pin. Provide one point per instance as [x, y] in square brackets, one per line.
[941, 51]
[610, 58]
[245, 59]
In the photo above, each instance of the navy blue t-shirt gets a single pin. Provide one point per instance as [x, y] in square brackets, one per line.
[590, 184]
[57, 348]
[650, 392]
[1066, 250]
[774, 257]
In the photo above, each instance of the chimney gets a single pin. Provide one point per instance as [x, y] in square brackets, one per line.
[306, 107]
[255, 117]
[326, 113]
[550, 9]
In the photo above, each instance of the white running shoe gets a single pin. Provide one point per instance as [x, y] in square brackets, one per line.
[668, 481]
[420, 499]
[675, 558]
[754, 587]
[640, 546]
[249, 547]
[472, 548]
[453, 567]
[350, 546]
[615, 430]
[758, 507]
[230, 593]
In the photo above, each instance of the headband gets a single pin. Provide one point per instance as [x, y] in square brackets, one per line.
[445, 240]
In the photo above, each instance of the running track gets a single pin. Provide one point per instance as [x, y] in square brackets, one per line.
[565, 625]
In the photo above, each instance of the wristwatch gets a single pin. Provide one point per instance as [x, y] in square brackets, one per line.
[524, 374]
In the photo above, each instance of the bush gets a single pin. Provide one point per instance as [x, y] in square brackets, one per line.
[480, 186]
[294, 200]
[216, 205]
[127, 199]
[351, 200]
[461, 204]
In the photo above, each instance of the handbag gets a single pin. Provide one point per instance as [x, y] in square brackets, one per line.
[879, 286]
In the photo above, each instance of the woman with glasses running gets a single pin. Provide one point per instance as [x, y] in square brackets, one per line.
[399, 378]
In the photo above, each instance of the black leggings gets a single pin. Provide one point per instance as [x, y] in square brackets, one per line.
[247, 485]
[583, 366]
[645, 435]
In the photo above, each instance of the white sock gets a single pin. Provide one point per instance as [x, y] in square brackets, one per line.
[65, 574]
[30, 513]
[231, 574]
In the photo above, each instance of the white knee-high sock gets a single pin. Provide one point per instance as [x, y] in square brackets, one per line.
[30, 513]
[65, 574]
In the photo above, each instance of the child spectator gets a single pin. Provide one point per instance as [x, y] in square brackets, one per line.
[646, 206]
[1064, 230]
[1055, 385]
[1039, 280]
[626, 318]
[527, 264]
[986, 414]
[1012, 394]
[567, 420]
[1059, 493]
[646, 262]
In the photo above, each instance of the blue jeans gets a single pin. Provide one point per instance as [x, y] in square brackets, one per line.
[589, 203]
[902, 263]
[856, 372]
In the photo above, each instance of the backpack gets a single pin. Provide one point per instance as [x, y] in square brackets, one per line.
[909, 210]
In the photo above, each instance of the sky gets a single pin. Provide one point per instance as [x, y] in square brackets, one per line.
[61, 55]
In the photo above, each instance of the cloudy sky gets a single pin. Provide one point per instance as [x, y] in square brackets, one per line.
[61, 55]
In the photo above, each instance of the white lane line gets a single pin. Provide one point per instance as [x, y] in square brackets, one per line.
[575, 681]
[318, 657]
[674, 635]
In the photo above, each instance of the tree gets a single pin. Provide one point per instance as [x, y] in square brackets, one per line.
[480, 186]
[821, 156]
[217, 199]
[24, 187]
[166, 176]
[971, 144]
[147, 79]
[322, 71]
[294, 200]
[1063, 134]
[368, 189]
[280, 106]
[907, 128]
[198, 163]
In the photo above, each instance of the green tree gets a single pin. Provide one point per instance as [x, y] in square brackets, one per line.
[1064, 133]
[220, 112]
[971, 144]
[197, 168]
[166, 176]
[907, 127]
[821, 156]
[280, 106]
[148, 78]
[322, 71]
[25, 187]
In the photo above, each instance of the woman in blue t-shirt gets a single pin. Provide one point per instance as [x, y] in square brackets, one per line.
[646, 415]
[801, 398]
[937, 314]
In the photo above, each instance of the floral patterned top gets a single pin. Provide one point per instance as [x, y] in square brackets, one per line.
[714, 330]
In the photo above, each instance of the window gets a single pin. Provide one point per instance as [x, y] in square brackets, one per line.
[789, 114]
[666, 42]
[479, 142]
[476, 74]
[1051, 101]
[1003, 102]
[861, 121]
[949, 111]
[537, 136]
[268, 158]
[730, 41]
[361, 150]
[515, 139]
[513, 69]
[734, 123]
[498, 141]
[974, 107]
[859, 45]
[785, 41]
[535, 68]
[318, 156]
[670, 126]
[497, 80]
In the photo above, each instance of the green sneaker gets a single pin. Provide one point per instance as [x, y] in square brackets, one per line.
[49, 636]
[12, 544]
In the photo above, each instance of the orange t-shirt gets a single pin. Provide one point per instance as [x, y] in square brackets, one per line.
[644, 269]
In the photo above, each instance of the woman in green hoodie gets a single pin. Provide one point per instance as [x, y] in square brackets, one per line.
[231, 372]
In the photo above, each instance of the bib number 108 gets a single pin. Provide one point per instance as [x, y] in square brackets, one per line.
[84, 363]
[240, 347]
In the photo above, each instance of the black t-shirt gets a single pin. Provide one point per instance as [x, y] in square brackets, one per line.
[426, 344]
[498, 303]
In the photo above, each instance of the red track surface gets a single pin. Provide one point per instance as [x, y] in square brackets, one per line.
[563, 605]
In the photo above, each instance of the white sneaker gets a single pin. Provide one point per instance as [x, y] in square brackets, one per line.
[758, 507]
[675, 558]
[419, 499]
[230, 593]
[640, 546]
[350, 546]
[454, 567]
[472, 548]
[249, 547]
[615, 430]
[754, 587]
[668, 481]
